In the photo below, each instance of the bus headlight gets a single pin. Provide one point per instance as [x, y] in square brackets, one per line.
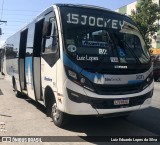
[72, 74]
[79, 79]
[86, 83]
[148, 80]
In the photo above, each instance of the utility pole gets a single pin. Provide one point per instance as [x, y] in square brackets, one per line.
[1, 22]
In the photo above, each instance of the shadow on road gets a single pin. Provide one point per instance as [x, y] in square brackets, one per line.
[148, 119]
[140, 123]
[34, 103]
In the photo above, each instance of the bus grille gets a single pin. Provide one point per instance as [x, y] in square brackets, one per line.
[118, 89]
[109, 103]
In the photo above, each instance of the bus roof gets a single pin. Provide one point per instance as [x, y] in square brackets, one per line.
[47, 10]
[89, 6]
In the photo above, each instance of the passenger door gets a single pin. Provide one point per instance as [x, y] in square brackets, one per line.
[29, 62]
[37, 59]
[22, 51]
[50, 53]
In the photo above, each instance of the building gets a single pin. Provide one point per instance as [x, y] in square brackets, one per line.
[132, 6]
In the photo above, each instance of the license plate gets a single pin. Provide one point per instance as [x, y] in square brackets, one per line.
[121, 102]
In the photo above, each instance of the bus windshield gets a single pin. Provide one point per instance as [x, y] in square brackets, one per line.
[95, 36]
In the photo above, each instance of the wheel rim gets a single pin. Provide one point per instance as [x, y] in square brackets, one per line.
[55, 112]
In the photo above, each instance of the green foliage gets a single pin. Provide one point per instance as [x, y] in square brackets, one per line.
[146, 15]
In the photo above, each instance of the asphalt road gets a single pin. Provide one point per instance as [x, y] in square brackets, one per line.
[24, 117]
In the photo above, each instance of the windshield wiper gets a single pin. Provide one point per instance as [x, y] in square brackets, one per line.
[130, 49]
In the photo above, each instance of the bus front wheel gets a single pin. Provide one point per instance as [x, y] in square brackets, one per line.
[59, 118]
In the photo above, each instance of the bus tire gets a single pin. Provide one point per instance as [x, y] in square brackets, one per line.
[49, 99]
[14, 84]
[17, 93]
[59, 118]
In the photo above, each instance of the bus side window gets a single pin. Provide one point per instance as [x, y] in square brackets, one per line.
[50, 45]
[51, 42]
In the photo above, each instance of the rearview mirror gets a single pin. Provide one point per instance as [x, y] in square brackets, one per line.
[47, 28]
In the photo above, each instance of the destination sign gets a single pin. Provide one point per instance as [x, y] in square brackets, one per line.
[78, 19]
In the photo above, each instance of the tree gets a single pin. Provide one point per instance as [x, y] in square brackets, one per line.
[146, 16]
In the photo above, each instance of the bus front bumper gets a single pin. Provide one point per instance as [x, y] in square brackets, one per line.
[79, 101]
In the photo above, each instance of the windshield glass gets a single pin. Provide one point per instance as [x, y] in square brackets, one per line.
[96, 36]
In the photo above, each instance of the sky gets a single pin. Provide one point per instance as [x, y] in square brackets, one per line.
[18, 13]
